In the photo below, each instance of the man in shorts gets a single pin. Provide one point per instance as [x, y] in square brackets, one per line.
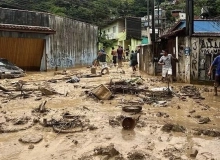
[216, 63]
[165, 61]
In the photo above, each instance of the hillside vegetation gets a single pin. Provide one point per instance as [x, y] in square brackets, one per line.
[99, 12]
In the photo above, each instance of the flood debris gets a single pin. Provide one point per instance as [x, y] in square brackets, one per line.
[9, 70]
[68, 124]
[16, 124]
[30, 138]
[46, 90]
[137, 155]
[191, 91]
[133, 108]
[204, 120]
[207, 132]
[168, 127]
[162, 114]
[194, 153]
[73, 79]
[102, 92]
[109, 151]
[116, 120]
[41, 108]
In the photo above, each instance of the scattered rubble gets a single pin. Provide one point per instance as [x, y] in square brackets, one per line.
[173, 127]
[31, 138]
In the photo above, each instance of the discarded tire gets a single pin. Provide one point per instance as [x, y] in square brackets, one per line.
[128, 123]
[132, 108]
[105, 71]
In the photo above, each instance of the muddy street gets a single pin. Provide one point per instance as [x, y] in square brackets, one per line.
[70, 115]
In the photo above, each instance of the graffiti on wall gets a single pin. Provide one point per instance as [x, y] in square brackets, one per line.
[61, 61]
[67, 61]
[194, 58]
[208, 49]
[181, 64]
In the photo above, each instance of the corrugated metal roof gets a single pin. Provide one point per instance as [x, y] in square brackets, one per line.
[201, 28]
[210, 26]
[26, 28]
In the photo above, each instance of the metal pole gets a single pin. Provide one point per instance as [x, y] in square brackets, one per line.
[153, 22]
[187, 17]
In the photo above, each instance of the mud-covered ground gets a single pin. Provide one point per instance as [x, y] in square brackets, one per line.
[44, 117]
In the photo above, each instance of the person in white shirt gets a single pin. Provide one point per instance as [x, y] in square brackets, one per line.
[165, 61]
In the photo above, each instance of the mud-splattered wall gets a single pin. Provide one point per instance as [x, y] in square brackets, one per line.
[181, 58]
[75, 43]
[203, 51]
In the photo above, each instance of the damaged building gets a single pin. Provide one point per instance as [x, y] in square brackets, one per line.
[37, 41]
[195, 53]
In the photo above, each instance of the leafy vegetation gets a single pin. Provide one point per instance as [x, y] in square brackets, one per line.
[100, 12]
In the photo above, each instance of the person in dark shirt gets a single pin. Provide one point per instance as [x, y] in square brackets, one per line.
[120, 56]
[216, 63]
[114, 56]
[133, 59]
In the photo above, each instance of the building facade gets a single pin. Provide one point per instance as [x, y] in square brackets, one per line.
[42, 41]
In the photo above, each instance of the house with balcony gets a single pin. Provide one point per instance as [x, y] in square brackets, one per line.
[146, 25]
[125, 31]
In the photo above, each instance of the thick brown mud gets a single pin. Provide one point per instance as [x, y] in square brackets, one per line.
[79, 126]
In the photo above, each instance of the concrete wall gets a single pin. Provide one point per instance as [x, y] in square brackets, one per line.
[204, 50]
[146, 64]
[74, 44]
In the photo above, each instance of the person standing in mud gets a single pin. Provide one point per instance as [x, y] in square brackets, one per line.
[102, 58]
[133, 60]
[114, 56]
[216, 63]
[120, 56]
[165, 61]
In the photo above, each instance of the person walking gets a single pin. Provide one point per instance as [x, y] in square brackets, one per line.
[165, 61]
[102, 58]
[216, 63]
[133, 60]
[114, 56]
[120, 56]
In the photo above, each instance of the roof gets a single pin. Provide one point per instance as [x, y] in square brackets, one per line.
[26, 28]
[201, 28]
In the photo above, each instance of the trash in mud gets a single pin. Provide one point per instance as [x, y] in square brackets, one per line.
[46, 90]
[128, 123]
[173, 127]
[162, 114]
[204, 120]
[41, 109]
[126, 89]
[207, 132]
[172, 153]
[102, 92]
[68, 124]
[138, 155]
[116, 120]
[9, 70]
[73, 79]
[29, 138]
[132, 108]
[191, 91]
[110, 151]
[16, 124]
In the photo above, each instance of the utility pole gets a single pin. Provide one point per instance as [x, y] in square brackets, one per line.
[153, 21]
[153, 34]
[189, 17]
